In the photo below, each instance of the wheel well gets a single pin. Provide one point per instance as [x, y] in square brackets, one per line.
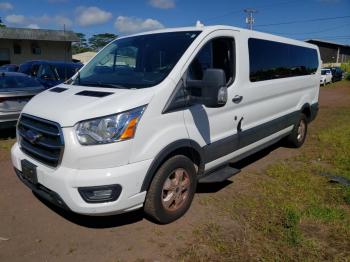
[185, 150]
[306, 110]
[189, 152]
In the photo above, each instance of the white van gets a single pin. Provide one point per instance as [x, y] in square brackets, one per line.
[153, 114]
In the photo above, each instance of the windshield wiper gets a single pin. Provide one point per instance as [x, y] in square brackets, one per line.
[110, 85]
[98, 84]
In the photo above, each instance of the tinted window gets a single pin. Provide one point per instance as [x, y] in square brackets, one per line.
[45, 72]
[25, 68]
[136, 62]
[218, 54]
[18, 83]
[272, 60]
[65, 72]
[29, 68]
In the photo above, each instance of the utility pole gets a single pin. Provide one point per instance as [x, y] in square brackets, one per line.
[250, 19]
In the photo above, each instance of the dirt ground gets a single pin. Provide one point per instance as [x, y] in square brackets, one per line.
[31, 230]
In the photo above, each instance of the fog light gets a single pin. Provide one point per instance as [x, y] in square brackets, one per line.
[100, 194]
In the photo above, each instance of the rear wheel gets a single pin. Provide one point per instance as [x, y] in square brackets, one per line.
[297, 137]
[172, 190]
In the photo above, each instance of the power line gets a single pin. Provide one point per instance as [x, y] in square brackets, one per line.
[312, 32]
[234, 11]
[305, 21]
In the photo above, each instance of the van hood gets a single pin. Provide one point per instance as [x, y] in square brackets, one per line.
[68, 105]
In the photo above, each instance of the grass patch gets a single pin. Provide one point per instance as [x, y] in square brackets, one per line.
[6, 144]
[342, 83]
[327, 214]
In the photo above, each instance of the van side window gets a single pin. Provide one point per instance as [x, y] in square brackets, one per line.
[219, 54]
[272, 60]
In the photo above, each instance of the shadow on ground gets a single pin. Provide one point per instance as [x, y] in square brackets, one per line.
[7, 133]
[96, 221]
[138, 215]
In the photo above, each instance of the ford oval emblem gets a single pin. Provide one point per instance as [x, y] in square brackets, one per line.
[32, 136]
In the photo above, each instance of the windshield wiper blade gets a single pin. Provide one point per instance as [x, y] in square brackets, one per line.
[99, 84]
[111, 85]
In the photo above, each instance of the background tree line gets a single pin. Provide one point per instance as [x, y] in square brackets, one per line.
[94, 43]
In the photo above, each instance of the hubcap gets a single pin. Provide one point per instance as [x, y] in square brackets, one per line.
[175, 189]
[301, 130]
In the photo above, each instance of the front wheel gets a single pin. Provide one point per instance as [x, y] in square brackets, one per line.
[297, 137]
[172, 190]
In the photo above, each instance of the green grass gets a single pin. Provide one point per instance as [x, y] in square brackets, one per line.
[342, 83]
[6, 145]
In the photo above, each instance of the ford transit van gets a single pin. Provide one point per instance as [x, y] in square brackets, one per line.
[153, 114]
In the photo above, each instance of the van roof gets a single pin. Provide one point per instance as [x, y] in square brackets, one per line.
[212, 28]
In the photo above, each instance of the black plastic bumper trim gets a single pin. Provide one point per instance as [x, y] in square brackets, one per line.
[43, 192]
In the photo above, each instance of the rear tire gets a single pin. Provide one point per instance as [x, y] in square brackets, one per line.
[297, 138]
[172, 190]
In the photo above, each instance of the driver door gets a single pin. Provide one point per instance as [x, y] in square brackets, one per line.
[214, 129]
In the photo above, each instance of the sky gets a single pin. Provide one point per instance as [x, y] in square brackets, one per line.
[299, 19]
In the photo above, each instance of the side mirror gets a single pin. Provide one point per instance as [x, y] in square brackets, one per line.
[211, 91]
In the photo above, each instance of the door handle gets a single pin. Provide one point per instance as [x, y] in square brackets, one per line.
[237, 99]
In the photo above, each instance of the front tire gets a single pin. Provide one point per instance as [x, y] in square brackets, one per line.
[172, 190]
[297, 138]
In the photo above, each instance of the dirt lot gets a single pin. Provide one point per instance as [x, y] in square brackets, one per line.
[269, 211]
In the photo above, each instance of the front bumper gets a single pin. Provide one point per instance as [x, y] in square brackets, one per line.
[61, 185]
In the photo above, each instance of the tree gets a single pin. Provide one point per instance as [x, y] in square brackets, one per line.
[2, 25]
[96, 42]
[81, 46]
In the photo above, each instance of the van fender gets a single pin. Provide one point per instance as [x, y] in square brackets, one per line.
[173, 148]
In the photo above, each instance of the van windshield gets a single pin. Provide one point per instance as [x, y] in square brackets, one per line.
[136, 62]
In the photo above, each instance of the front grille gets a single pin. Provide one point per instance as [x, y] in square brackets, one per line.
[41, 139]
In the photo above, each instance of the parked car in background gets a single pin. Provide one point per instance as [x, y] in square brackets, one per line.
[16, 89]
[337, 74]
[326, 76]
[50, 73]
[9, 68]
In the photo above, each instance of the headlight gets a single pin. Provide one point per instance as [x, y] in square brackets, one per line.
[109, 129]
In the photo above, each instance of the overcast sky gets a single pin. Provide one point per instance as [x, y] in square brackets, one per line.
[331, 17]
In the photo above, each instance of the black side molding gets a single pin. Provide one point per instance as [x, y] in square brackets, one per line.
[94, 93]
[219, 175]
[314, 111]
[58, 89]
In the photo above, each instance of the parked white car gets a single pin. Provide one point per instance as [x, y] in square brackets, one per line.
[153, 114]
[326, 76]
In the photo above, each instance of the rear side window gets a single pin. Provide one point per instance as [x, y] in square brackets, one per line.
[273, 60]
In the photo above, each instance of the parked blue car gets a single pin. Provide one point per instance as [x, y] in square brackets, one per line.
[9, 68]
[50, 73]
